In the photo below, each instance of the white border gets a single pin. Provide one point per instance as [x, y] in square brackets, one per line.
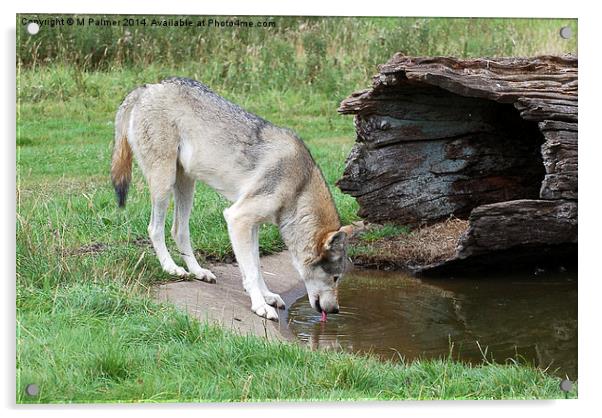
[590, 153]
[511, 8]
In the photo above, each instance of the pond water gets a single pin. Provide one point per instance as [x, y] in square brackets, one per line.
[393, 315]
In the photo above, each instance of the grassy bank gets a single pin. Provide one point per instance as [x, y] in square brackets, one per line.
[87, 327]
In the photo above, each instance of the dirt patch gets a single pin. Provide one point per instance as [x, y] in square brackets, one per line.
[227, 258]
[422, 246]
[99, 247]
[89, 249]
[142, 242]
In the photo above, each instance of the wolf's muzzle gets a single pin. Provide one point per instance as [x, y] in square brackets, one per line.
[332, 310]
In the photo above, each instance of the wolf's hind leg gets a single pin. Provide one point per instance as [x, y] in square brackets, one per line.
[156, 231]
[161, 181]
[180, 231]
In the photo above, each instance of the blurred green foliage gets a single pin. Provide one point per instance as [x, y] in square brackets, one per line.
[332, 54]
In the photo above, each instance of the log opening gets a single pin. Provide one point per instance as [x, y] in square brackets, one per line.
[424, 154]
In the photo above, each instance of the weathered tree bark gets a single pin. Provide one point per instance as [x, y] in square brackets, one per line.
[442, 136]
[524, 222]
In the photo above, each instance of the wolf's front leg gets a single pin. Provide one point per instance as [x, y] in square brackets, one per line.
[241, 226]
[272, 299]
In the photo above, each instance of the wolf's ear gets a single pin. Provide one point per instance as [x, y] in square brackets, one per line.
[334, 245]
[348, 230]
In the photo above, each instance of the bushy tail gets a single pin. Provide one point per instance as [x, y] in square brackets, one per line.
[121, 169]
[121, 165]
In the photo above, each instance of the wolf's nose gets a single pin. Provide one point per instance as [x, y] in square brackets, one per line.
[335, 310]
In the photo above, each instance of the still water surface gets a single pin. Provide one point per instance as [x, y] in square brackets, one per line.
[533, 319]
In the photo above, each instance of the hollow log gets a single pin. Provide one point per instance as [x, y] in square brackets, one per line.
[490, 140]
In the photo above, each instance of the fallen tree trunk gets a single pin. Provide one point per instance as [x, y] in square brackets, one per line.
[442, 136]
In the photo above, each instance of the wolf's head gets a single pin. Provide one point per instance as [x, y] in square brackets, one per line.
[323, 274]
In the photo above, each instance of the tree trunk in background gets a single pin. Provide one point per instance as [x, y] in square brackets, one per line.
[491, 140]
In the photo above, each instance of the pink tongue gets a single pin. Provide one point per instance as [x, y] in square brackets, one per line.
[323, 319]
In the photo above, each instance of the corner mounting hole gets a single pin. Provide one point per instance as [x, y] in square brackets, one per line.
[32, 389]
[32, 28]
[566, 32]
[566, 385]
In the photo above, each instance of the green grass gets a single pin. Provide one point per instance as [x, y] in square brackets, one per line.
[383, 231]
[94, 343]
[88, 329]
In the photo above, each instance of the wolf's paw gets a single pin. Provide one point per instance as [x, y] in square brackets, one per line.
[274, 300]
[266, 311]
[176, 271]
[204, 275]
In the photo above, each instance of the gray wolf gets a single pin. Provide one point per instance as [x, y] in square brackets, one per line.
[179, 131]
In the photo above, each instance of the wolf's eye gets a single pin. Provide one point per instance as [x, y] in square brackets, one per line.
[335, 278]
